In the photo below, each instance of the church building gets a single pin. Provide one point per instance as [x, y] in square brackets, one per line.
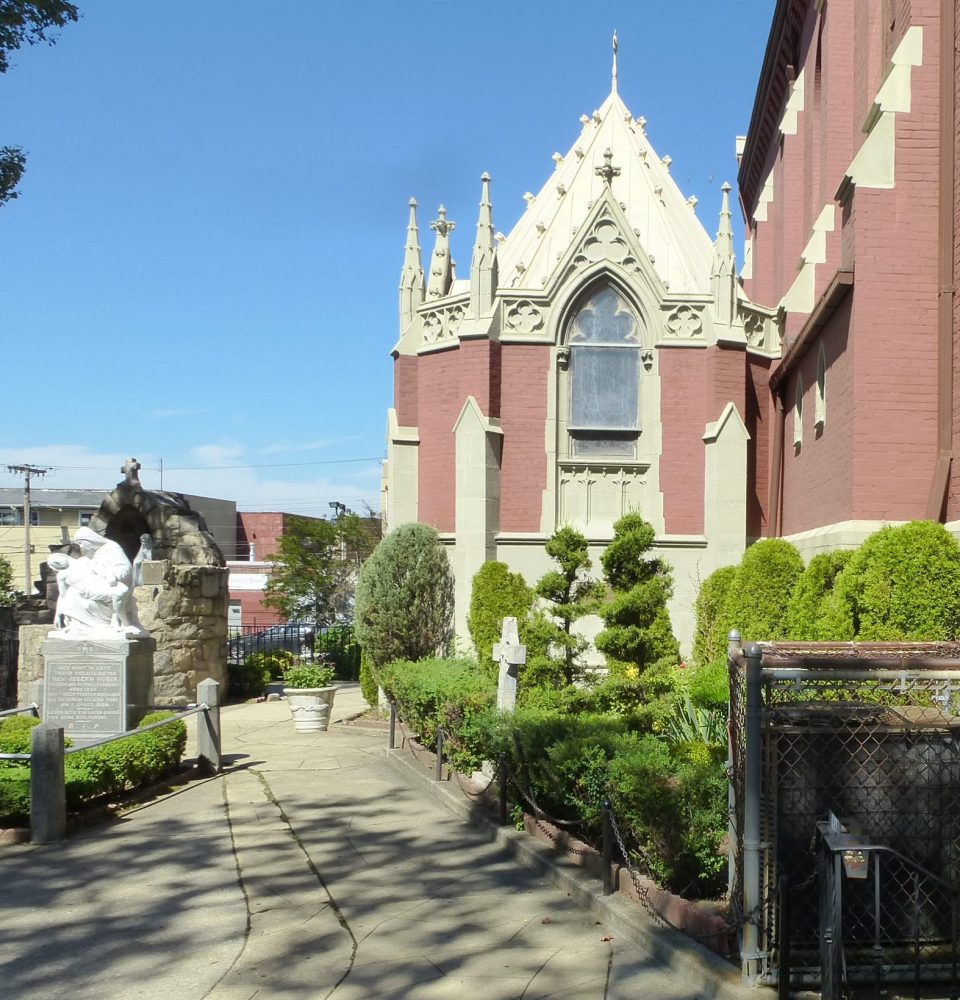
[601, 358]
[605, 356]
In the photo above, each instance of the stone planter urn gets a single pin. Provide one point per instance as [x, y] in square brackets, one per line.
[310, 708]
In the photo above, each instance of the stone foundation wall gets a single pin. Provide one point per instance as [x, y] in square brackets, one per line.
[185, 609]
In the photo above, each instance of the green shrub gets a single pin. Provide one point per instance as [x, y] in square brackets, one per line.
[15, 734]
[810, 595]
[674, 805]
[496, 594]
[369, 687]
[638, 631]
[404, 602]
[709, 685]
[902, 584]
[708, 636]
[759, 594]
[434, 693]
[91, 774]
[315, 674]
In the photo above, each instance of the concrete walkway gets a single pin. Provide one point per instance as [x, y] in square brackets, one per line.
[312, 869]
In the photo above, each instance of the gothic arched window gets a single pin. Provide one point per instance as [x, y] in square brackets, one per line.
[604, 388]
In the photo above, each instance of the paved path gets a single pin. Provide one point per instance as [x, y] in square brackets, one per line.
[312, 869]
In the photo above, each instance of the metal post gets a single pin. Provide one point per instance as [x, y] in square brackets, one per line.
[749, 952]
[607, 847]
[209, 757]
[438, 774]
[502, 779]
[733, 648]
[48, 805]
[392, 745]
[783, 939]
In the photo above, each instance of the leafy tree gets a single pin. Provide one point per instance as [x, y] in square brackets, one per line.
[570, 595]
[497, 594]
[6, 583]
[404, 605]
[760, 592]
[708, 640]
[316, 566]
[25, 22]
[638, 631]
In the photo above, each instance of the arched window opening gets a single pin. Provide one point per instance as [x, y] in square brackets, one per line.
[604, 410]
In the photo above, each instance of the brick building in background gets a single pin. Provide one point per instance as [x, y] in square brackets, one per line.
[605, 356]
[257, 537]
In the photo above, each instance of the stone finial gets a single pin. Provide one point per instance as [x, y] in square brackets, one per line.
[441, 276]
[529, 197]
[666, 161]
[584, 119]
[723, 275]
[411, 275]
[483, 266]
[608, 171]
[557, 158]
[131, 473]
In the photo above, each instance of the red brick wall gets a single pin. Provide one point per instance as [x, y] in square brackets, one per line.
[685, 409]
[440, 403]
[953, 502]
[405, 390]
[480, 374]
[818, 479]
[523, 410]
[261, 530]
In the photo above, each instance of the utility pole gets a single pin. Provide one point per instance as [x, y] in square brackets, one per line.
[28, 472]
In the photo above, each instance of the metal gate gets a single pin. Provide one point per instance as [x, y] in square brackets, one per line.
[871, 734]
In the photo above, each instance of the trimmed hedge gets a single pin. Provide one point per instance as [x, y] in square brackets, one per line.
[759, 593]
[709, 639]
[496, 594]
[902, 584]
[808, 603]
[90, 774]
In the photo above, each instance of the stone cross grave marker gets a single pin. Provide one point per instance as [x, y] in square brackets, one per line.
[510, 654]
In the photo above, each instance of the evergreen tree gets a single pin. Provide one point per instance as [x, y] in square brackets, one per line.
[404, 604]
[570, 595]
[7, 593]
[497, 594]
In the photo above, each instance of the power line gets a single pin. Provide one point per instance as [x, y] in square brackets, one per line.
[215, 468]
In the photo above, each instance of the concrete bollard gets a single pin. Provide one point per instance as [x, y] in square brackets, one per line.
[48, 802]
[209, 756]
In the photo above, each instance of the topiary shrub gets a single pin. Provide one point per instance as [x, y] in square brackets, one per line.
[811, 593]
[496, 594]
[404, 602]
[760, 592]
[708, 636]
[902, 584]
[638, 633]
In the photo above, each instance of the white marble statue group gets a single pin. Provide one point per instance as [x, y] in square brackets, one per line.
[96, 588]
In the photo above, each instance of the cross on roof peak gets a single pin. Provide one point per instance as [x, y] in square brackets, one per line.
[608, 171]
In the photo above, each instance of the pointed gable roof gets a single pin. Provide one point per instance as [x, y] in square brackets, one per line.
[663, 220]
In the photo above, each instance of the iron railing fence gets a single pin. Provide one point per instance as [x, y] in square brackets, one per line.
[881, 911]
[871, 733]
[305, 640]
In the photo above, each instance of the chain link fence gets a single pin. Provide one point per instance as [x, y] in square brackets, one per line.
[871, 734]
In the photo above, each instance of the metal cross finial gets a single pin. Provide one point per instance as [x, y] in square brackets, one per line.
[441, 227]
[608, 171]
[615, 43]
[131, 469]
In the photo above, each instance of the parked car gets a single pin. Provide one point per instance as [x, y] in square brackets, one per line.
[295, 637]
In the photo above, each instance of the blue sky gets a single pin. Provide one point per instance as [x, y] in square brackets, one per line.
[202, 266]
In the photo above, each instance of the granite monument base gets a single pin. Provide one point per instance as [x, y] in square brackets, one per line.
[97, 687]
